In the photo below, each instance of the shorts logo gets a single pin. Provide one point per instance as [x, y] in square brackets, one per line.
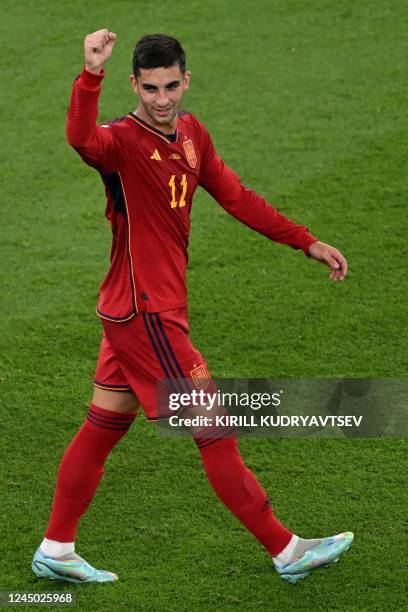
[201, 376]
[190, 153]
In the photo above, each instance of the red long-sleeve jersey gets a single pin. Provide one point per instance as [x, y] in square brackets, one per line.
[150, 181]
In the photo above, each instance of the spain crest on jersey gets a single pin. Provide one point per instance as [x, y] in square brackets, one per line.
[190, 153]
[201, 376]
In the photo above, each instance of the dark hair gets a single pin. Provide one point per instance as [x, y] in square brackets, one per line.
[158, 51]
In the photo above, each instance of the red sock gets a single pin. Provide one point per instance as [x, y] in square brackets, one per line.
[81, 469]
[240, 491]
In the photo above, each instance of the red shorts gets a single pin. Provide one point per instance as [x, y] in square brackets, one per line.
[136, 354]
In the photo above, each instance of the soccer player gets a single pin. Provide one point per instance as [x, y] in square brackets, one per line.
[151, 162]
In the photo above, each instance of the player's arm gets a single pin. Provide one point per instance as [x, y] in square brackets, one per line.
[251, 209]
[96, 145]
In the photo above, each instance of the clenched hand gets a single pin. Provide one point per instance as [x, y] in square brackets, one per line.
[98, 49]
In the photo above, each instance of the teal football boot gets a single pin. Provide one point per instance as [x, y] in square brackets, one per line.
[322, 555]
[75, 570]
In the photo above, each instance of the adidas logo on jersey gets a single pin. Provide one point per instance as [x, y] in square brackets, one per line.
[156, 155]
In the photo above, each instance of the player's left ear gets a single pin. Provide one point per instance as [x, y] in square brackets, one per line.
[186, 79]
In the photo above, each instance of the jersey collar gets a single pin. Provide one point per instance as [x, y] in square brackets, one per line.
[150, 128]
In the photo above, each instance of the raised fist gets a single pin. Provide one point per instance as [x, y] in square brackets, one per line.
[97, 49]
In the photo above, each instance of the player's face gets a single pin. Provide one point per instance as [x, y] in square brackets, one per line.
[160, 91]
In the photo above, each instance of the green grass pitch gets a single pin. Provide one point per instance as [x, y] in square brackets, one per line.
[307, 102]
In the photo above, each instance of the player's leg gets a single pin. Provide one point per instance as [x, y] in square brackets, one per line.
[110, 415]
[124, 402]
[232, 481]
[240, 491]
[294, 557]
[82, 465]
[165, 352]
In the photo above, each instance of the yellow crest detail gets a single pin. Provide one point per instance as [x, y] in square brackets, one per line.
[201, 376]
[190, 153]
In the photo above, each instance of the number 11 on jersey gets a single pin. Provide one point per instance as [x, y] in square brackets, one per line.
[183, 184]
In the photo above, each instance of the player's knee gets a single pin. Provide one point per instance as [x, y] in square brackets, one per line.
[115, 401]
[214, 437]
